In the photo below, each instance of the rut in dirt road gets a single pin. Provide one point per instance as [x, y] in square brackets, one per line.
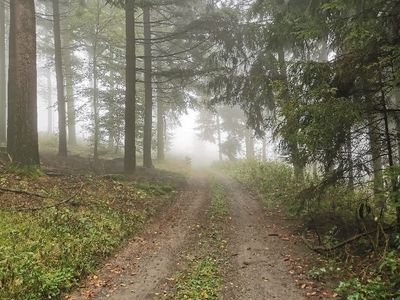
[255, 269]
[137, 272]
[259, 271]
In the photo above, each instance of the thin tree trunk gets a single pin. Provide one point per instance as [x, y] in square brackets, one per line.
[219, 137]
[96, 135]
[3, 91]
[350, 165]
[49, 104]
[69, 84]
[148, 96]
[130, 101]
[62, 128]
[22, 141]
[375, 150]
[160, 131]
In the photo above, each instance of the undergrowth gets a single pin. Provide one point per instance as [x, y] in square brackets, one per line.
[46, 252]
[367, 269]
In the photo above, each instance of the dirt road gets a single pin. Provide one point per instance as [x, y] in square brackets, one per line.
[257, 248]
[258, 251]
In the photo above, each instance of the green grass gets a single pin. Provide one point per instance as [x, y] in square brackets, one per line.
[201, 281]
[45, 253]
[202, 278]
[218, 207]
[272, 180]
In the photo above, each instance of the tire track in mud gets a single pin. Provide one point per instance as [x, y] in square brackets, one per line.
[139, 269]
[255, 267]
[259, 271]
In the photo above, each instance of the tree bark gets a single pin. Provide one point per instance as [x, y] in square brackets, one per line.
[375, 150]
[96, 135]
[49, 104]
[22, 141]
[160, 131]
[350, 165]
[219, 137]
[69, 85]
[3, 91]
[130, 100]
[148, 96]
[62, 124]
[96, 121]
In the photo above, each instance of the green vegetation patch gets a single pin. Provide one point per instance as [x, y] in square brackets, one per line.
[45, 252]
[201, 281]
[202, 278]
[272, 180]
[218, 207]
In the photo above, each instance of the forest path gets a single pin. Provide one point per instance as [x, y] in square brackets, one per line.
[137, 271]
[259, 251]
[260, 248]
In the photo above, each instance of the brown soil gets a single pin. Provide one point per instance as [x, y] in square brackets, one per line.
[138, 270]
[266, 259]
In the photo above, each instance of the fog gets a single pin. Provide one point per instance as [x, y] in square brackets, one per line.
[186, 143]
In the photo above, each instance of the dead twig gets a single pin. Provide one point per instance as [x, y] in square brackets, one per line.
[62, 202]
[22, 192]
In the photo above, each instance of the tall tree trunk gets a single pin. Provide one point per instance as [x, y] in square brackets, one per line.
[130, 101]
[160, 131]
[298, 165]
[96, 135]
[69, 85]
[390, 155]
[396, 115]
[148, 94]
[62, 123]
[350, 165]
[49, 104]
[375, 150]
[22, 141]
[3, 91]
[96, 121]
[219, 137]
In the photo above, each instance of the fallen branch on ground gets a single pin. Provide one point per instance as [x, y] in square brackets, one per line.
[22, 192]
[62, 202]
[56, 204]
[322, 249]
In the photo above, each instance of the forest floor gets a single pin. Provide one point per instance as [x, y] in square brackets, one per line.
[195, 250]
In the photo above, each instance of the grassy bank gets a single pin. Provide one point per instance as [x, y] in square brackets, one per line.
[59, 232]
[365, 268]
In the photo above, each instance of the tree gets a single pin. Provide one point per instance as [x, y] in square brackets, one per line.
[160, 131]
[62, 122]
[148, 102]
[67, 56]
[3, 92]
[130, 101]
[22, 143]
